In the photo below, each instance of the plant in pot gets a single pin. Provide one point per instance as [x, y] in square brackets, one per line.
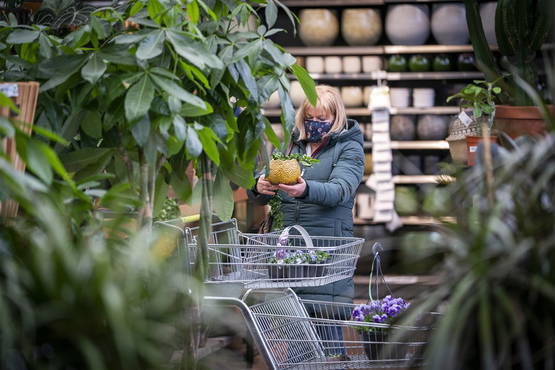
[478, 97]
[284, 169]
[521, 28]
[380, 312]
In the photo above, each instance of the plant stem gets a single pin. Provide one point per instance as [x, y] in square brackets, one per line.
[488, 166]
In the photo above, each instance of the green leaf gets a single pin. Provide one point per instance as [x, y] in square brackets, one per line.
[306, 82]
[271, 135]
[55, 162]
[223, 197]
[193, 11]
[137, 7]
[271, 13]
[50, 135]
[164, 73]
[138, 98]
[151, 46]
[22, 36]
[30, 151]
[208, 10]
[92, 124]
[193, 144]
[45, 46]
[188, 110]
[252, 48]
[79, 159]
[174, 89]
[247, 76]
[154, 9]
[141, 130]
[100, 27]
[6, 127]
[193, 51]
[174, 145]
[7, 102]
[94, 69]
[180, 128]
[208, 139]
[130, 38]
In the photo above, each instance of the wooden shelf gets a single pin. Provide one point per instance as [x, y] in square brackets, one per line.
[394, 76]
[399, 76]
[420, 179]
[420, 145]
[317, 3]
[431, 110]
[417, 49]
[335, 50]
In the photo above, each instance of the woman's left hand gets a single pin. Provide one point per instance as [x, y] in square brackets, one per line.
[294, 190]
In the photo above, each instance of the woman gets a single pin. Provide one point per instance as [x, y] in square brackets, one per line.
[322, 199]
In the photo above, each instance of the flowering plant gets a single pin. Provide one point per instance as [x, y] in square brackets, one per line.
[379, 311]
[283, 257]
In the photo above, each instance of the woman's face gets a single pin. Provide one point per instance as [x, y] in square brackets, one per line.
[318, 114]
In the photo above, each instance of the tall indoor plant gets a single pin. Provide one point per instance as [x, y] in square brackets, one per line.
[521, 29]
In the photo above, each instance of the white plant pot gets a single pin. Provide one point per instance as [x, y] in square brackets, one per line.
[273, 101]
[399, 97]
[423, 98]
[297, 93]
[315, 64]
[352, 96]
[361, 27]
[333, 64]
[449, 24]
[487, 13]
[371, 63]
[365, 205]
[318, 27]
[351, 64]
[407, 24]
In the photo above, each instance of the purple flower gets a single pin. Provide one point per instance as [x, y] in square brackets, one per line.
[282, 241]
[281, 254]
[378, 318]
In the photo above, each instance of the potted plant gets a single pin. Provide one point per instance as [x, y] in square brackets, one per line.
[521, 29]
[479, 97]
[380, 312]
[297, 264]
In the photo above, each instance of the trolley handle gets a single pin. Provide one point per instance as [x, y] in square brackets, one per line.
[285, 235]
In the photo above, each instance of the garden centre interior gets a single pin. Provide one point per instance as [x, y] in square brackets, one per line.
[137, 138]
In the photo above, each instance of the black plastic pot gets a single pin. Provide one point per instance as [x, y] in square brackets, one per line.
[373, 350]
[277, 272]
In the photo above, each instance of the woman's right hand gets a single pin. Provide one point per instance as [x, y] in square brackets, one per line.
[264, 186]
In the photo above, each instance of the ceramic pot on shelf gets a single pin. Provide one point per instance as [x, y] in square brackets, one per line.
[449, 24]
[352, 96]
[333, 64]
[315, 64]
[402, 128]
[351, 64]
[361, 26]
[432, 127]
[423, 97]
[371, 63]
[397, 63]
[487, 13]
[399, 97]
[297, 93]
[318, 27]
[407, 24]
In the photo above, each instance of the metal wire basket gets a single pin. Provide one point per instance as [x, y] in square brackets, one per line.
[249, 259]
[304, 334]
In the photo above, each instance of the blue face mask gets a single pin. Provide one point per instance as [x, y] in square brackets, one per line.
[315, 130]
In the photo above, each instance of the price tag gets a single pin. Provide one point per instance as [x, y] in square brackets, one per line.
[465, 119]
[10, 90]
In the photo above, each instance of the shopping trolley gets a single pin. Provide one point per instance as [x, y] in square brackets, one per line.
[293, 333]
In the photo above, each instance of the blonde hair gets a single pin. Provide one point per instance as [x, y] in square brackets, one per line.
[330, 101]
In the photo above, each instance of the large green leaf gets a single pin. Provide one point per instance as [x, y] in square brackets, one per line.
[138, 98]
[193, 51]
[209, 139]
[247, 76]
[174, 89]
[20, 36]
[180, 128]
[92, 124]
[223, 197]
[271, 13]
[193, 144]
[193, 11]
[188, 110]
[141, 130]
[151, 46]
[34, 157]
[76, 160]
[118, 54]
[94, 69]
[306, 82]
[55, 162]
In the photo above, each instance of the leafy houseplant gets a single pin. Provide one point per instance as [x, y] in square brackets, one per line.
[521, 28]
[479, 97]
[380, 312]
